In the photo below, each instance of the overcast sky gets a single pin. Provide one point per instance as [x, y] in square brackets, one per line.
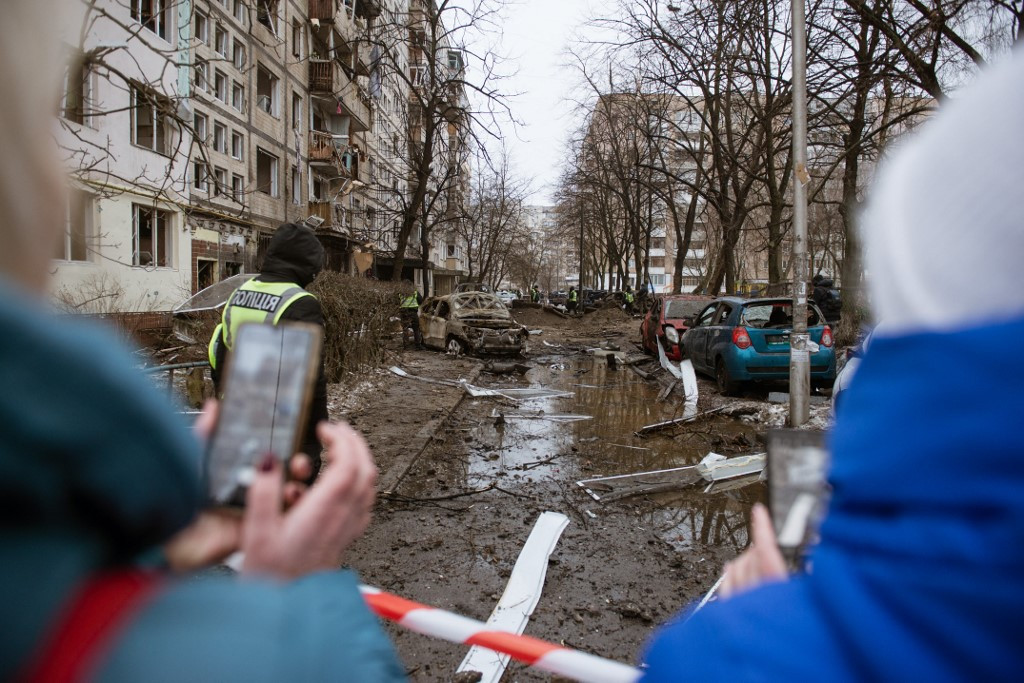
[535, 38]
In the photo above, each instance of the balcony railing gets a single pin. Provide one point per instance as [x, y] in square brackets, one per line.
[333, 215]
[321, 75]
[322, 10]
[323, 148]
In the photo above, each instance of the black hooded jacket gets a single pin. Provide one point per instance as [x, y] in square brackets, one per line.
[296, 255]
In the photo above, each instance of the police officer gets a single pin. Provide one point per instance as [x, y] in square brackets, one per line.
[628, 298]
[294, 257]
[409, 310]
[573, 300]
[535, 294]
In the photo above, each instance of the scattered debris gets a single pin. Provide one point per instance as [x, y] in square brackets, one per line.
[520, 597]
[481, 392]
[506, 368]
[658, 426]
[536, 332]
[625, 485]
[553, 417]
[783, 397]
[715, 467]
[667, 390]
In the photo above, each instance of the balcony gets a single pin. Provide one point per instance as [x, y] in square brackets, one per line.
[322, 10]
[334, 216]
[325, 149]
[327, 80]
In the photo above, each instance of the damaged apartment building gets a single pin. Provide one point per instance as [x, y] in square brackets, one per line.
[195, 127]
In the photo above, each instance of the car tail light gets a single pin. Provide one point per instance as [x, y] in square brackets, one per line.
[826, 337]
[740, 338]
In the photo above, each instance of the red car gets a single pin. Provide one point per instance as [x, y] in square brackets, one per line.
[666, 320]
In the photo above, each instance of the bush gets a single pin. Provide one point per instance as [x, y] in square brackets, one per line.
[357, 320]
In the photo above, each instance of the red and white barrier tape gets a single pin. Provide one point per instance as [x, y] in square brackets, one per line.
[537, 653]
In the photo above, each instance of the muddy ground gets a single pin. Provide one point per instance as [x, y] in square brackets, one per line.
[461, 493]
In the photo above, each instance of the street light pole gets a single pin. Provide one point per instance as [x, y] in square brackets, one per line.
[799, 358]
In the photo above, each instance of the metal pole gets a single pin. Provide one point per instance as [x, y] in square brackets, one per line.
[579, 285]
[799, 360]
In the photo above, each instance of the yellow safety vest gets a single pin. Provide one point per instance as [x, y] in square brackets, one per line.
[410, 301]
[253, 302]
[629, 297]
[572, 296]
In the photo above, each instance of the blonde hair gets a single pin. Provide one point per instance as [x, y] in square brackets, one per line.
[31, 181]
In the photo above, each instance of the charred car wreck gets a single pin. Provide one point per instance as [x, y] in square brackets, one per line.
[471, 322]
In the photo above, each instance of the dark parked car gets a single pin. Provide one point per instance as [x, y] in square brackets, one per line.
[742, 340]
[667, 318]
[470, 322]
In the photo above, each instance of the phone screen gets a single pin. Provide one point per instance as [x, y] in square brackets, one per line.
[267, 388]
[797, 488]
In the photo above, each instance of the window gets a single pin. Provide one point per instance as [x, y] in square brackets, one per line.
[220, 177]
[237, 143]
[241, 11]
[657, 262]
[77, 221]
[237, 188]
[221, 40]
[237, 96]
[151, 236]
[454, 60]
[199, 176]
[220, 137]
[296, 111]
[153, 15]
[266, 90]
[296, 185]
[199, 126]
[453, 251]
[220, 86]
[150, 123]
[238, 55]
[202, 28]
[657, 243]
[266, 172]
[296, 39]
[77, 92]
[266, 14]
[202, 79]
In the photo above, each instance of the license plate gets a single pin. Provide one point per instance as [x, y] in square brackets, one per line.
[778, 339]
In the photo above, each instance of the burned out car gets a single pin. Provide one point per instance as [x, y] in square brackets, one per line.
[471, 322]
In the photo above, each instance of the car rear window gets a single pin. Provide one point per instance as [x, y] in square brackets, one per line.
[774, 315]
[681, 308]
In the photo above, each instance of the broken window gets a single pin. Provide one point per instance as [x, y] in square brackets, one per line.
[150, 122]
[296, 39]
[220, 180]
[202, 78]
[266, 90]
[266, 172]
[296, 111]
[199, 176]
[238, 55]
[77, 222]
[221, 40]
[237, 188]
[455, 60]
[153, 15]
[151, 238]
[199, 123]
[77, 91]
[266, 14]
[220, 135]
[296, 185]
[220, 86]
[206, 273]
[241, 11]
[237, 143]
[237, 96]
[202, 31]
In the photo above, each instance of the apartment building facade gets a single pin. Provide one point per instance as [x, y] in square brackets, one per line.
[205, 124]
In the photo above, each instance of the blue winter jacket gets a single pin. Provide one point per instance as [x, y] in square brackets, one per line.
[95, 470]
[920, 572]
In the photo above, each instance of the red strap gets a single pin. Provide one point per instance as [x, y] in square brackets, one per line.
[88, 626]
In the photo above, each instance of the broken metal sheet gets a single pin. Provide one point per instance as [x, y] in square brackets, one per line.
[214, 296]
[514, 394]
[684, 373]
[481, 392]
[533, 332]
[522, 593]
[553, 417]
[658, 426]
[734, 483]
[715, 467]
[625, 485]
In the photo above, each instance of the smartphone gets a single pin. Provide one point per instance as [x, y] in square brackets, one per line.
[268, 384]
[797, 486]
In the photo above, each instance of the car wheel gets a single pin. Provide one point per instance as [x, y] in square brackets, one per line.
[455, 347]
[727, 386]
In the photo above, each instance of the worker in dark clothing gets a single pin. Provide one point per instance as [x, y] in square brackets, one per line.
[826, 298]
[571, 304]
[294, 258]
[409, 310]
[535, 294]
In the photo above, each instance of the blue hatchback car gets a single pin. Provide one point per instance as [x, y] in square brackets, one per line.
[738, 340]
